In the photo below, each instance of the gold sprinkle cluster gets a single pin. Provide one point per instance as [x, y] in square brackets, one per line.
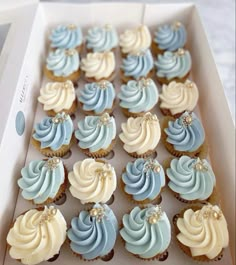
[104, 173]
[105, 119]
[60, 117]
[143, 82]
[154, 214]
[70, 52]
[187, 120]
[47, 215]
[208, 212]
[199, 165]
[98, 213]
[176, 25]
[67, 84]
[149, 117]
[153, 165]
[52, 163]
[180, 52]
[103, 84]
[189, 84]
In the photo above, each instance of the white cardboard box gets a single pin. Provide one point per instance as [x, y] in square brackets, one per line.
[21, 76]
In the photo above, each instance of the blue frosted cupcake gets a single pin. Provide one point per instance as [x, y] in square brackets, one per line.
[138, 97]
[96, 135]
[184, 135]
[62, 65]
[143, 180]
[173, 66]
[43, 181]
[53, 136]
[191, 179]
[169, 37]
[93, 233]
[66, 37]
[137, 65]
[97, 98]
[101, 39]
[146, 232]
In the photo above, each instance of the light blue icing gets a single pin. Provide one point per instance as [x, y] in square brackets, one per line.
[66, 37]
[170, 37]
[102, 39]
[191, 178]
[63, 62]
[97, 97]
[41, 179]
[92, 236]
[138, 96]
[53, 134]
[138, 65]
[96, 132]
[143, 238]
[143, 179]
[185, 137]
[173, 64]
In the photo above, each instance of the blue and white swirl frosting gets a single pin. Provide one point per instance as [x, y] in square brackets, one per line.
[143, 179]
[191, 178]
[54, 132]
[93, 233]
[173, 64]
[63, 62]
[66, 37]
[146, 232]
[96, 132]
[102, 39]
[41, 180]
[185, 133]
[138, 96]
[138, 65]
[171, 37]
[98, 96]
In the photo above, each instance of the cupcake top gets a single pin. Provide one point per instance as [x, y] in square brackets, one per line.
[138, 96]
[178, 97]
[173, 64]
[185, 133]
[57, 96]
[135, 40]
[204, 231]
[37, 235]
[191, 178]
[171, 37]
[140, 134]
[63, 62]
[137, 65]
[54, 132]
[146, 232]
[96, 132]
[92, 181]
[41, 179]
[98, 96]
[143, 179]
[93, 233]
[66, 37]
[98, 65]
[102, 39]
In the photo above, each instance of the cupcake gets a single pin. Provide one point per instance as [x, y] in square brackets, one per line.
[96, 135]
[53, 136]
[146, 232]
[141, 135]
[191, 179]
[101, 39]
[37, 235]
[138, 97]
[136, 66]
[93, 233]
[135, 40]
[58, 97]
[66, 37]
[173, 66]
[43, 181]
[169, 37]
[143, 180]
[176, 98]
[98, 66]
[184, 135]
[97, 98]
[92, 181]
[62, 65]
[202, 232]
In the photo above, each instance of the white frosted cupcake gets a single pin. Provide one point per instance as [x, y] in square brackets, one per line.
[58, 97]
[92, 181]
[141, 135]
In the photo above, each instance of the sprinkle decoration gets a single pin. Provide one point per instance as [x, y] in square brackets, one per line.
[149, 117]
[67, 85]
[187, 120]
[47, 215]
[144, 82]
[153, 165]
[70, 52]
[98, 213]
[176, 25]
[180, 52]
[154, 214]
[189, 84]
[103, 84]
[105, 119]
[208, 212]
[60, 117]
[199, 165]
[71, 26]
[52, 163]
[104, 173]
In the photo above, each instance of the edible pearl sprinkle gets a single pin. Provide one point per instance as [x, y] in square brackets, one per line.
[180, 52]
[150, 117]
[47, 215]
[153, 165]
[176, 25]
[104, 172]
[144, 82]
[60, 117]
[189, 84]
[98, 213]
[104, 119]
[71, 26]
[67, 85]
[103, 84]
[70, 52]
[154, 215]
[52, 163]
[187, 120]
[199, 165]
[208, 212]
